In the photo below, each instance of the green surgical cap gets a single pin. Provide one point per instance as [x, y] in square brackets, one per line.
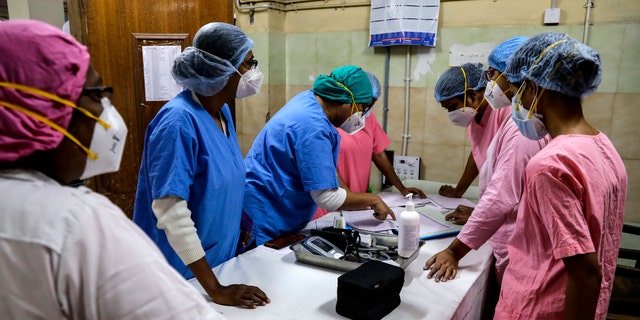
[332, 87]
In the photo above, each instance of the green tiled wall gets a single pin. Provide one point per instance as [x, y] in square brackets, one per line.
[295, 59]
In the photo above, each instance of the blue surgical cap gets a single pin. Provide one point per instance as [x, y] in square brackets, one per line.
[499, 55]
[452, 82]
[375, 85]
[217, 52]
[557, 62]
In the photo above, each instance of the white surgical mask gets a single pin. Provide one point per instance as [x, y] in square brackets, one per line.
[108, 144]
[249, 83]
[354, 123]
[495, 96]
[528, 123]
[462, 117]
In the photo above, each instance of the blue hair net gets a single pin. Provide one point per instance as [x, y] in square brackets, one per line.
[557, 62]
[452, 82]
[499, 55]
[217, 52]
[375, 85]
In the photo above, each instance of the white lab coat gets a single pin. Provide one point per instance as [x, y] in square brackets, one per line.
[69, 253]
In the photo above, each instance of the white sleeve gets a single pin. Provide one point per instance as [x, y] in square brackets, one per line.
[110, 269]
[174, 217]
[329, 199]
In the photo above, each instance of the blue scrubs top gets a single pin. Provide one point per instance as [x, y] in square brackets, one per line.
[187, 155]
[295, 153]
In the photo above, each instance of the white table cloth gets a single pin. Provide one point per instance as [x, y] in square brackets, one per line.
[301, 291]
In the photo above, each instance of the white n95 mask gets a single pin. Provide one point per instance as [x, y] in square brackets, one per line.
[460, 118]
[495, 96]
[249, 83]
[108, 144]
[354, 124]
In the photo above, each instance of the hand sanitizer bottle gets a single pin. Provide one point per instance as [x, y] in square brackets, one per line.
[409, 229]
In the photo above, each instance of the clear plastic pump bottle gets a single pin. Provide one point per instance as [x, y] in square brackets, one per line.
[409, 229]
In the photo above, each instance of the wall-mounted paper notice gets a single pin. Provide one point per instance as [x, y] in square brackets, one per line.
[476, 53]
[157, 63]
[403, 22]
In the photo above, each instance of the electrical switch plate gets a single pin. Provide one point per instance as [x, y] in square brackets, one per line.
[407, 167]
[552, 16]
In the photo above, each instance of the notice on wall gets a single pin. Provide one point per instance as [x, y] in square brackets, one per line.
[476, 53]
[157, 63]
[403, 22]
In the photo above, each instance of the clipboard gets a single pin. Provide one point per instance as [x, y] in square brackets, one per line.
[437, 216]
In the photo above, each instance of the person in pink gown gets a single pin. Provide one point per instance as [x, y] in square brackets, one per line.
[564, 247]
[460, 90]
[500, 187]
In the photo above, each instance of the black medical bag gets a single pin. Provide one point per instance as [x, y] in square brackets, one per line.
[370, 291]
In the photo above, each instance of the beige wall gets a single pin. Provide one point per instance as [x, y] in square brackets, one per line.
[295, 47]
[50, 11]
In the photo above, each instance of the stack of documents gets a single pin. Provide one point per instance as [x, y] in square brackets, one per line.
[431, 209]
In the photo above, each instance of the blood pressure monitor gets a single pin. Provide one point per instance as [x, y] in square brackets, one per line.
[321, 246]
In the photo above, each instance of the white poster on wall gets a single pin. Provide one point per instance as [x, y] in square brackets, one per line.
[157, 62]
[403, 22]
[476, 53]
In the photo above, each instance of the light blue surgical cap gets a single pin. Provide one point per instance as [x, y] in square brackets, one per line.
[452, 82]
[375, 85]
[217, 52]
[557, 62]
[499, 55]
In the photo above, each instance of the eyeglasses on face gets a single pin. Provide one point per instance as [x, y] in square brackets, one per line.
[366, 107]
[489, 73]
[252, 63]
[98, 92]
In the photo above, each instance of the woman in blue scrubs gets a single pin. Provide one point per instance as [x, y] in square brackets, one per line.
[291, 167]
[187, 199]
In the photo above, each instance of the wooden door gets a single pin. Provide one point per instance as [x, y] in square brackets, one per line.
[108, 29]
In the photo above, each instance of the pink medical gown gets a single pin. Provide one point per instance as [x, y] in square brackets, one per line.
[573, 203]
[354, 157]
[482, 134]
[500, 187]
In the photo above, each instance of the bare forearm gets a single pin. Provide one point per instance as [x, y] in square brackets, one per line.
[203, 273]
[359, 201]
[458, 248]
[386, 168]
[469, 174]
[583, 286]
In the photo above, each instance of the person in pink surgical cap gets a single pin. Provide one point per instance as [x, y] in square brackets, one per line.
[500, 187]
[69, 252]
[564, 247]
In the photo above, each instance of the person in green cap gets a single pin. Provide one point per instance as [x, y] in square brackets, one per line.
[291, 167]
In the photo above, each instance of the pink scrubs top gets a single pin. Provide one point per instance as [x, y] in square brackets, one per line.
[354, 156]
[356, 151]
[573, 203]
[481, 134]
[500, 188]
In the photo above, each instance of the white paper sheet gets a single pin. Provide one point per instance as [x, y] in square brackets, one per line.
[364, 220]
[157, 63]
[449, 203]
[393, 199]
